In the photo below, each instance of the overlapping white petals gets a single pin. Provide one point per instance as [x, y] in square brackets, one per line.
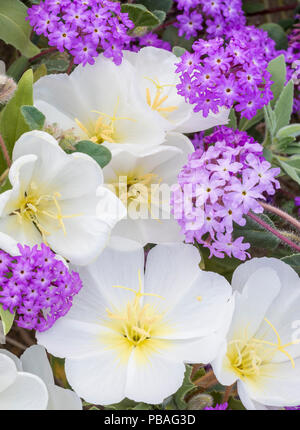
[100, 366]
[266, 358]
[59, 199]
[150, 176]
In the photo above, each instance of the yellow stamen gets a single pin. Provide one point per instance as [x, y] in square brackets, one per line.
[104, 128]
[159, 99]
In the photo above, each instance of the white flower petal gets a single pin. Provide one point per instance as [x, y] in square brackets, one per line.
[197, 122]
[170, 270]
[154, 380]
[8, 372]
[203, 307]
[260, 290]
[72, 338]
[62, 399]
[99, 379]
[28, 392]
[34, 360]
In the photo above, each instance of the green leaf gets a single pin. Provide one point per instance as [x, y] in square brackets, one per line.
[33, 117]
[292, 130]
[291, 167]
[178, 51]
[186, 387]
[125, 404]
[293, 261]
[140, 15]
[14, 29]
[251, 6]
[232, 120]
[277, 69]
[39, 72]
[161, 15]
[98, 152]
[12, 122]
[171, 35]
[224, 266]
[256, 235]
[235, 404]
[284, 106]
[7, 319]
[276, 32]
[152, 5]
[142, 407]
[17, 68]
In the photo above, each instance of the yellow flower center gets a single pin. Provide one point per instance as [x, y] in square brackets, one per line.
[138, 324]
[159, 98]
[103, 129]
[40, 208]
[138, 189]
[248, 356]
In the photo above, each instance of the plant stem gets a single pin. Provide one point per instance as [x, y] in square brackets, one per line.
[4, 176]
[288, 218]
[70, 66]
[5, 151]
[273, 231]
[227, 393]
[207, 380]
[42, 53]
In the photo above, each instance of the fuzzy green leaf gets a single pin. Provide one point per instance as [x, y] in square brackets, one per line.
[14, 29]
[12, 122]
[178, 51]
[292, 130]
[256, 235]
[33, 117]
[98, 152]
[291, 167]
[7, 319]
[140, 15]
[284, 106]
[293, 261]
[186, 387]
[276, 32]
[277, 68]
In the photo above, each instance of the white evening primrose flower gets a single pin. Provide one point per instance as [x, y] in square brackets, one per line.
[57, 199]
[128, 334]
[35, 388]
[157, 81]
[144, 181]
[20, 390]
[262, 349]
[101, 103]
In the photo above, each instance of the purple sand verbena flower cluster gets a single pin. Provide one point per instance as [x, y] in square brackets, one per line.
[292, 57]
[221, 183]
[231, 74]
[218, 407]
[37, 286]
[220, 16]
[83, 27]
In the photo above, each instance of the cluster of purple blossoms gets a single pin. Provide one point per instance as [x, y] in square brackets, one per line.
[226, 73]
[220, 16]
[222, 183]
[221, 407]
[83, 27]
[292, 57]
[37, 286]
